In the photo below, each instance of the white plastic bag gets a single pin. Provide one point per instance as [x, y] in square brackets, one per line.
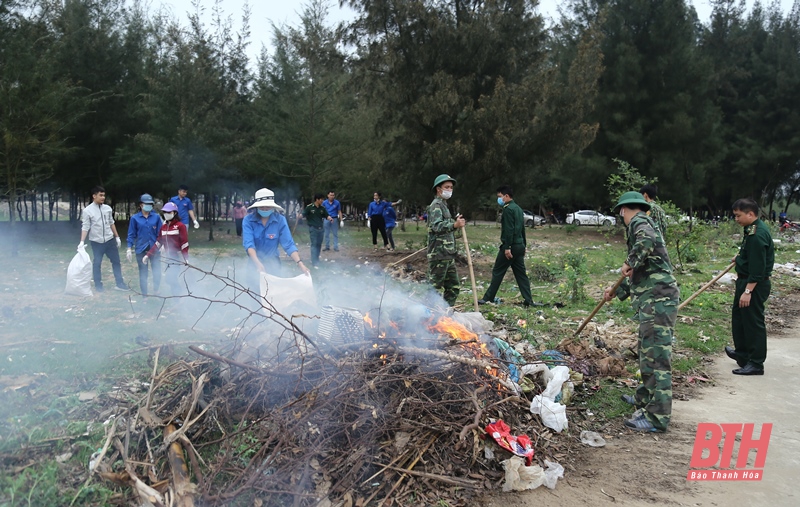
[554, 415]
[520, 477]
[79, 275]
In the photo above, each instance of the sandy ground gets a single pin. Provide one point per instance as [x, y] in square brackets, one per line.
[638, 470]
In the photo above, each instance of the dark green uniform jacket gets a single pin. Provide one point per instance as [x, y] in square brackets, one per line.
[757, 253]
[513, 227]
[315, 215]
[648, 257]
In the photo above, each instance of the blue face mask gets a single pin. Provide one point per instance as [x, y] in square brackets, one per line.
[500, 201]
[147, 207]
[265, 214]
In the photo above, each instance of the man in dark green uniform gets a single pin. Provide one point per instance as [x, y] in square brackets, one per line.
[315, 214]
[649, 192]
[655, 296]
[512, 249]
[753, 267]
[442, 240]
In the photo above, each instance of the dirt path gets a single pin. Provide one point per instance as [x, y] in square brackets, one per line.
[638, 470]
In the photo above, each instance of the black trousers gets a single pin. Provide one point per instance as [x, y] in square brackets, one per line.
[747, 324]
[377, 223]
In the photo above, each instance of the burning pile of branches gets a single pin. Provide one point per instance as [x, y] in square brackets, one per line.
[368, 422]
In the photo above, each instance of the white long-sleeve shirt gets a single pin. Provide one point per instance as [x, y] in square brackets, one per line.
[97, 220]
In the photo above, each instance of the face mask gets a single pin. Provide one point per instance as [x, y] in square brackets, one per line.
[147, 207]
[447, 194]
[500, 201]
[265, 214]
[168, 216]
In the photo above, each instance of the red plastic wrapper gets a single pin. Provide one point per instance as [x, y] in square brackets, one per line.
[519, 445]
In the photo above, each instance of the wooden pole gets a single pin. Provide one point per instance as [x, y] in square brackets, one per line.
[407, 257]
[471, 271]
[599, 305]
[706, 286]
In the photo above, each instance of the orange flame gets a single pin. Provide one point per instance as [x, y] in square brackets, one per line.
[448, 326]
[368, 320]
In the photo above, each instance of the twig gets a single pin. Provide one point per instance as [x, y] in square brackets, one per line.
[441, 478]
[408, 469]
[478, 414]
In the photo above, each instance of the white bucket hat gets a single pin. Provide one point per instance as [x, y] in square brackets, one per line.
[265, 197]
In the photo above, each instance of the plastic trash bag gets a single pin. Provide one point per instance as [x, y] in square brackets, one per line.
[592, 439]
[520, 477]
[553, 414]
[79, 275]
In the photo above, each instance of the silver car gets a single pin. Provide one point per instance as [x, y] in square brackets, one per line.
[531, 219]
[590, 217]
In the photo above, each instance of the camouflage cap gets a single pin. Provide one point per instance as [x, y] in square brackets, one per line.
[632, 198]
[441, 179]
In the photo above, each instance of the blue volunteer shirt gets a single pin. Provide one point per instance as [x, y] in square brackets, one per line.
[390, 217]
[333, 207]
[184, 205]
[143, 231]
[265, 239]
[377, 208]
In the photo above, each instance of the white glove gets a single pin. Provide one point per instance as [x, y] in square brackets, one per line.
[341, 223]
[128, 254]
[145, 259]
[196, 224]
[119, 242]
[81, 246]
[399, 201]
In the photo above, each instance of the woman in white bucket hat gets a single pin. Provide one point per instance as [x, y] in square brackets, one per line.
[264, 231]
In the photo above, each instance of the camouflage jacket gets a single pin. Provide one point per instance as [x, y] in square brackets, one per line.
[757, 253]
[660, 219]
[648, 257]
[441, 233]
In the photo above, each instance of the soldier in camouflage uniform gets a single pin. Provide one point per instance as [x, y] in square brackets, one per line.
[655, 296]
[656, 212]
[442, 241]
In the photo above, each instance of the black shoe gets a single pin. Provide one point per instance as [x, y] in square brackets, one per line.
[731, 352]
[482, 301]
[749, 369]
[627, 398]
[326, 249]
[528, 304]
[122, 288]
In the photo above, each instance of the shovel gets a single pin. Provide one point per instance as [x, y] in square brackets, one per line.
[599, 305]
[471, 271]
[706, 286]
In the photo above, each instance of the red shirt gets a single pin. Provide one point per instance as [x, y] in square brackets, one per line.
[172, 239]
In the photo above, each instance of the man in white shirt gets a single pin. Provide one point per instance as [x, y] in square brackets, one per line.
[98, 225]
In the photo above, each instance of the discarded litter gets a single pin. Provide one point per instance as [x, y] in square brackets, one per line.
[592, 439]
[521, 478]
[519, 445]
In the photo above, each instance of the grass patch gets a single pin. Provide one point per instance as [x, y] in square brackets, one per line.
[606, 401]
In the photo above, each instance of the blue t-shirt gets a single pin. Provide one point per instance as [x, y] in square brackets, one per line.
[143, 232]
[377, 208]
[184, 205]
[390, 216]
[333, 207]
[266, 239]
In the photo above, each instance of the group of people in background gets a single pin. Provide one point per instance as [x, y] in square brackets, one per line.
[151, 238]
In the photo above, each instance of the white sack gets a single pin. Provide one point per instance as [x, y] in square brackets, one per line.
[79, 275]
[289, 296]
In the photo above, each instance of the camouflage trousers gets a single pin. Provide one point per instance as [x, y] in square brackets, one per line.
[658, 310]
[442, 275]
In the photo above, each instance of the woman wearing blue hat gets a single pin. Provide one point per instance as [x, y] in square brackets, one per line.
[142, 235]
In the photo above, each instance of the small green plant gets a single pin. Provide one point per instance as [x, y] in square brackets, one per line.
[409, 244]
[575, 272]
[570, 228]
[543, 272]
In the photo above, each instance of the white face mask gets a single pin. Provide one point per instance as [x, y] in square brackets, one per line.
[447, 194]
[168, 216]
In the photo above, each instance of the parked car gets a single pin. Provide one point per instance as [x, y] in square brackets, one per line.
[590, 217]
[531, 219]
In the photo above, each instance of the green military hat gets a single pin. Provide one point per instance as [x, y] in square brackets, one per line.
[441, 179]
[632, 198]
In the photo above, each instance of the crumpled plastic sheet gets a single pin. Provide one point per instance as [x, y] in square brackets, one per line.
[520, 477]
[553, 414]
